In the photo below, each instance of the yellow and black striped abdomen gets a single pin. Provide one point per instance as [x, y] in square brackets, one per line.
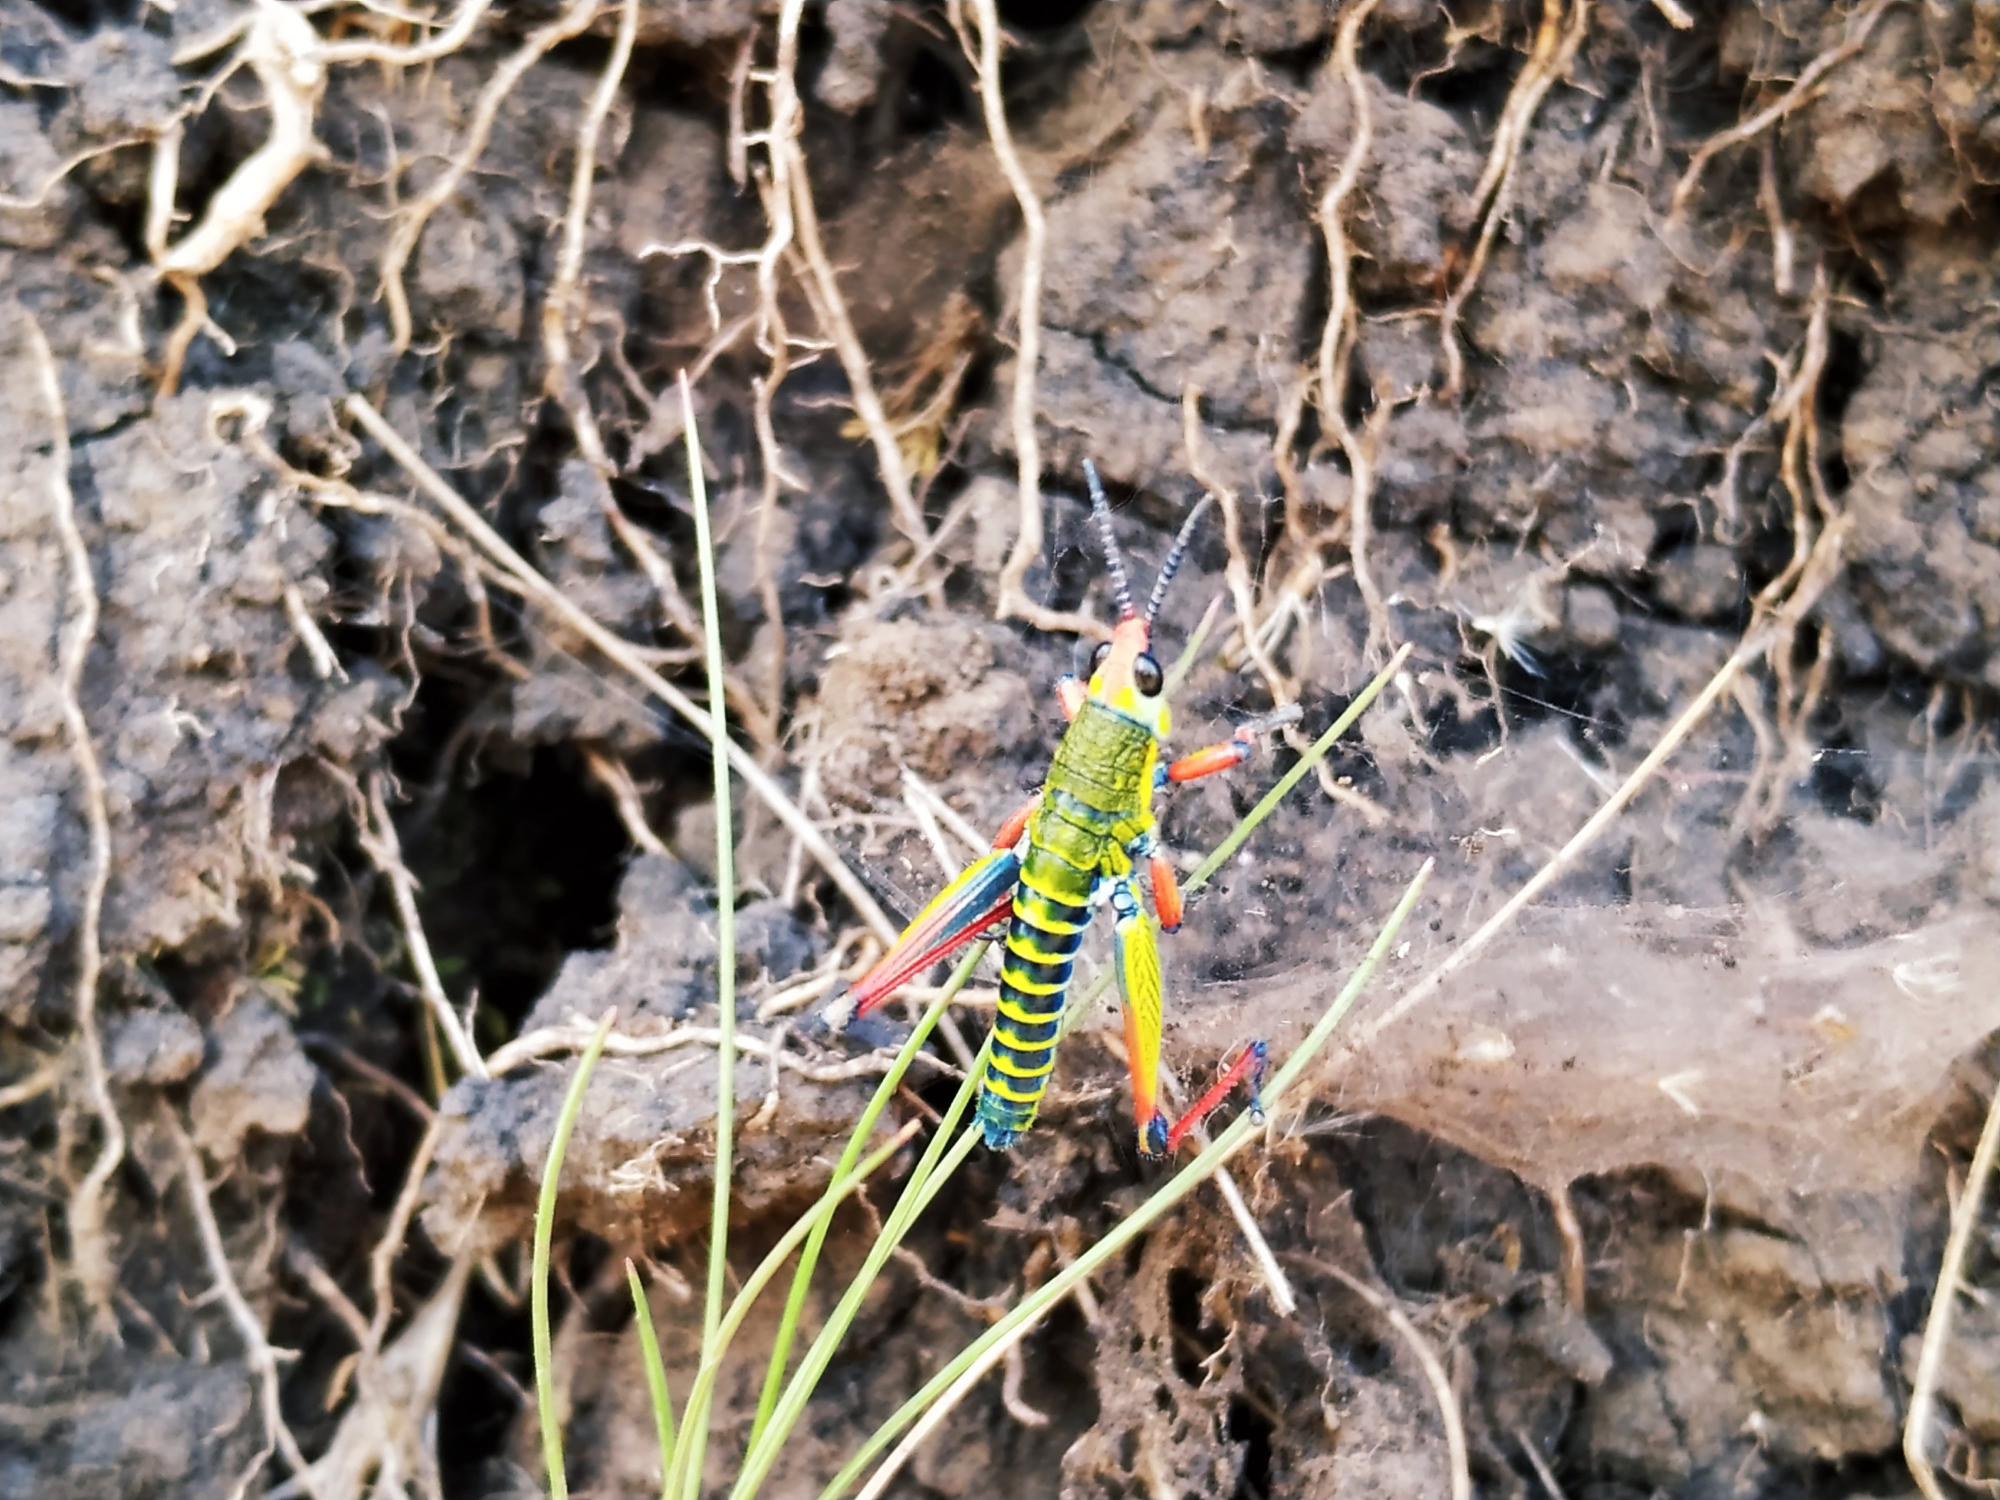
[1051, 909]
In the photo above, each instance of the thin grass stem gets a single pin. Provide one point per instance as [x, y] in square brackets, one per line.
[545, 1218]
[695, 1432]
[937, 1162]
[1227, 1144]
[656, 1375]
[1223, 852]
[781, 1345]
[1191, 652]
[702, 1393]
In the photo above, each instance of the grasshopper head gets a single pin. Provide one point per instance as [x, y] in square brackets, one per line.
[1124, 673]
[1126, 676]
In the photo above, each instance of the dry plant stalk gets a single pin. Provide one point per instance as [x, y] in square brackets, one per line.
[379, 842]
[1275, 1281]
[1012, 594]
[520, 578]
[90, 1245]
[1803, 90]
[1555, 48]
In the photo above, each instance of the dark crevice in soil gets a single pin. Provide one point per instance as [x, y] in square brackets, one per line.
[519, 864]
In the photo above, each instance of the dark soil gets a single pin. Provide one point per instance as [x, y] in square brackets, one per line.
[1742, 1049]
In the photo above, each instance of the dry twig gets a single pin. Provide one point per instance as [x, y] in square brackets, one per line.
[90, 1246]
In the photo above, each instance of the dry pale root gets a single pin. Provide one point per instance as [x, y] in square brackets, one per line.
[257, 1351]
[1555, 47]
[91, 1259]
[283, 53]
[1013, 596]
[1944, 1305]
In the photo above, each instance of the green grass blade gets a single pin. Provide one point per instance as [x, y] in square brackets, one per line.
[538, 1288]
[695, 1425]
[695, 1433]
[936, 1166]
[795, 1301]
[656, 1375]
[702, 1392]
[1204, 1166]
[1191, 652]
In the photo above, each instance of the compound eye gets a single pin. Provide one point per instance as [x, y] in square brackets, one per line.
[1097, 657]
[1147, 677]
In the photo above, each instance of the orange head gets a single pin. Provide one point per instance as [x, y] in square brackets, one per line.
[1124, 674]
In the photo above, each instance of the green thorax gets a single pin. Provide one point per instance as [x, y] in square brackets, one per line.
[1099, 792]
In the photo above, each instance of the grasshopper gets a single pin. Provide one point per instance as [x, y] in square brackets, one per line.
[1073, 847]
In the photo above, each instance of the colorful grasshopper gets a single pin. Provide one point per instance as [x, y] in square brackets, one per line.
[1074, 845]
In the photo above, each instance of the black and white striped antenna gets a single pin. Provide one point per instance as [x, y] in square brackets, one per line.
[1172, 563]
[1101, 508]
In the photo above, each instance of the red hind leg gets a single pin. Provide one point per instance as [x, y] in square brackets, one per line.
[1249, 1062]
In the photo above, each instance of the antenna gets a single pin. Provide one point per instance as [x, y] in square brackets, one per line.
[1173, 559]
[1101, 508]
